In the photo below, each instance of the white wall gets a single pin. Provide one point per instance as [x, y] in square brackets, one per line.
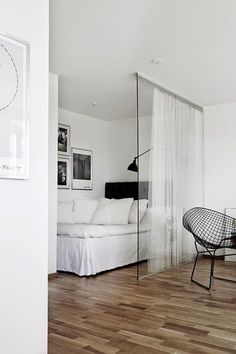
[115, 142]
[220, 152]
[24, 206]
[92, 134]
[122, 148]
[220, 149]
[52, 172]
[114, 147]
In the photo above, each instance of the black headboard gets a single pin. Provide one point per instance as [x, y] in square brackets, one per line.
[120, 190]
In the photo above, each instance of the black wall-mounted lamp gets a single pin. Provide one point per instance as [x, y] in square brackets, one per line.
[133, 166]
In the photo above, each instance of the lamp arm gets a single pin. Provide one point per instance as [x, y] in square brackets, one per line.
[136, 157]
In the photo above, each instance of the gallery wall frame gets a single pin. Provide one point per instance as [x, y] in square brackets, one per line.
[231, 212]
[82, 169]
[63, 140]
[14, 107]
[63, 172]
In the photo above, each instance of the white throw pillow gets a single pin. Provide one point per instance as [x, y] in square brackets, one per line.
[134, 211]
[112, 211]
[65, 213]
[84, 210]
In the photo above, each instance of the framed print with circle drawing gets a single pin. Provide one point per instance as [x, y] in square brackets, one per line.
[14, 117]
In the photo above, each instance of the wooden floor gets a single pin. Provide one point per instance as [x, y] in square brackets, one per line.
[113, 313]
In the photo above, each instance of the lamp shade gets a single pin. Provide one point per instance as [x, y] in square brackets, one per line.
[133, 167]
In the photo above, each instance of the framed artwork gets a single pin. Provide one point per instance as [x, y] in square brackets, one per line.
[63, 173]
[14, 115]
[82, 169]
[230, 212]
[63, 139]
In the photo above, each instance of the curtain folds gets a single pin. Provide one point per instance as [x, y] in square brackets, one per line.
[176, 179]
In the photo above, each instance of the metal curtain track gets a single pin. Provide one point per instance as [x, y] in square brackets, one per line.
[165, 89]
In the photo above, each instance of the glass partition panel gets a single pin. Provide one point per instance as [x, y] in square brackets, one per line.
[170, 176]
[145, 93]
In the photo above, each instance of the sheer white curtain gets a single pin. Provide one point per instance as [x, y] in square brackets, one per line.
[176, 179]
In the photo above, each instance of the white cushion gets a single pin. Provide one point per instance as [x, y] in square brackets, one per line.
[84, 210]
[65, 212]
[134, 211]
[112, 211]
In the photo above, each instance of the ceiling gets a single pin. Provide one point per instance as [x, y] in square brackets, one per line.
[97, 46]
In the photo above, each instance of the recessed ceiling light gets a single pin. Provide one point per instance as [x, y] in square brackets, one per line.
[94, 103]
[157, 61]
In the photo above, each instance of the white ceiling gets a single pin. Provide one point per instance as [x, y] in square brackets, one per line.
[96, 46]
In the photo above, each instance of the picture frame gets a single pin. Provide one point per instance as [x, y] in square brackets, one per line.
[14, 107]
[231, 212]
[63, 140]
[63, 172]
[82, 169]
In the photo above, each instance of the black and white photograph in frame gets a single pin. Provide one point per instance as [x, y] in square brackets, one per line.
[63, 139]
[82, 169]
[63, 173]
[14, 115]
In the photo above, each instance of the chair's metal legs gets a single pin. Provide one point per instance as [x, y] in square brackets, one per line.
[195, 262]
[226, 279]
[211, 270]
[219, 278]
[212, 255]
[212, 264]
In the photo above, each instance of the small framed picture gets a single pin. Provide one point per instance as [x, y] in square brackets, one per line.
[230, 212]
[14, 102]
[82, 169]
[63, 173]
[63, 139]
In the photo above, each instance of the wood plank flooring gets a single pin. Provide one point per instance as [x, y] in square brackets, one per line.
[114, 314]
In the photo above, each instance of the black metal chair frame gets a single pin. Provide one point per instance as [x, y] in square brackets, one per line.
[210, 249]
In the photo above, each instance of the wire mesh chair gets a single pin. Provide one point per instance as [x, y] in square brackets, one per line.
[213, 231]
